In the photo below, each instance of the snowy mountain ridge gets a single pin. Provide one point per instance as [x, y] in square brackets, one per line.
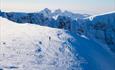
[49, 14]
[32, 47]
[102, 28]
[103, 14]
[99, 27]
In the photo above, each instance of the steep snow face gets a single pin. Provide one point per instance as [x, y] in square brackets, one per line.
[34, 47]
[101, 28]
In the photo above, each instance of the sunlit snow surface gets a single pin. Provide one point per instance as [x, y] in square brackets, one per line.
[31, 47]
[34, 47]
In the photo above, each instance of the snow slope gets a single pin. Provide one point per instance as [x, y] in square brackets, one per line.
[34, 47]
[100, 28]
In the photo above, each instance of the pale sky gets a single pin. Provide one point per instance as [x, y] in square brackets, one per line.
[80, 6]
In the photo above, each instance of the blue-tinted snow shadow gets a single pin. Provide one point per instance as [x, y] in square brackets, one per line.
[97, 57]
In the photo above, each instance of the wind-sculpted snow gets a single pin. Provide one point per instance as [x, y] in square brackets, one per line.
[34, 47]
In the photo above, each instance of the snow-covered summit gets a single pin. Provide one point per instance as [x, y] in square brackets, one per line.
[46, 12]
[57, 11]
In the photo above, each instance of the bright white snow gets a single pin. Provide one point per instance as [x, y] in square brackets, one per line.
[34, 47]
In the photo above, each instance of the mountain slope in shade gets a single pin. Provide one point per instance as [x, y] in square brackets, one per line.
[34, 47]
[100, 28]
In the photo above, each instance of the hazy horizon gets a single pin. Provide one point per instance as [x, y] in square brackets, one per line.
[77, 6]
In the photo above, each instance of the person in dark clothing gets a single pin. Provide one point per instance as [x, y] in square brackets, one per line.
[49, 38]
